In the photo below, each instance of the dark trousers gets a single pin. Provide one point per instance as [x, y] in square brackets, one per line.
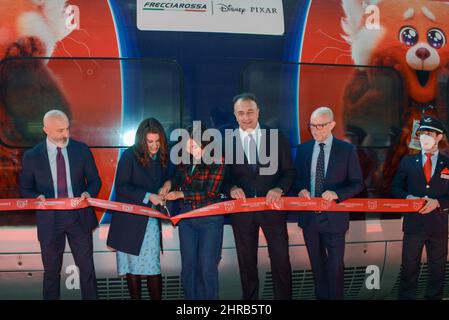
[246, 233]
[67, 224]
[200, 242]
[326, 253]
[436, 248]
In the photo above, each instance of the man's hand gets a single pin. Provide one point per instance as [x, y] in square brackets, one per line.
[174, 195]
[274, 195]
[329, 195]
[41, 197]
[84, 196]
[430, 205]
[304, 193]
[237, 193]
[165, 188]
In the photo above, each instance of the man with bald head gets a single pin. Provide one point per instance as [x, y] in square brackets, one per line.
[60, 167]
[328, 168]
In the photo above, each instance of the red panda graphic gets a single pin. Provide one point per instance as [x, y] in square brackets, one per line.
[29, 29]
[412, 39]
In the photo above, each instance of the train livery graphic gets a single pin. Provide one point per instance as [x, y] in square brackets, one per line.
[380, 64]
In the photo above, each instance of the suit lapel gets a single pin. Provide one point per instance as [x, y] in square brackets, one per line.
[73, 155]
[417, 160]
[240, 148]
[43, 154]
[264, 145]
[195, 172]
[441, 163]
[332, 157]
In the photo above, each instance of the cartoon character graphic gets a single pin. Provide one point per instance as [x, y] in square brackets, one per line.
[411, 39]
[29, 29]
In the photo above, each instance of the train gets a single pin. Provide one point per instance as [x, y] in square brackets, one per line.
[110, 64]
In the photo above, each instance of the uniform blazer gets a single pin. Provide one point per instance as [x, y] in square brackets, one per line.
[35, 179]
[410, 180]
[343, 176]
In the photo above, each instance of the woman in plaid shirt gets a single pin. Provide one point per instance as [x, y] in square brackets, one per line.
[198, 185]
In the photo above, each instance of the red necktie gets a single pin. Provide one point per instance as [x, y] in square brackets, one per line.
[428, 167]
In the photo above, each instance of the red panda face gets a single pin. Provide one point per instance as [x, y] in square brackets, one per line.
[412, 38]
[416, 37]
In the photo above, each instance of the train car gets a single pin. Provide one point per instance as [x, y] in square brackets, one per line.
[110, 64]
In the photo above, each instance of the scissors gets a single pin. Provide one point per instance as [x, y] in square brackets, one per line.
[164, 206]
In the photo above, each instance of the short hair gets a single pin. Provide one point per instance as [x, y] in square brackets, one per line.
[54, 114]
[322, 111]
[246, 96]
[197, 131]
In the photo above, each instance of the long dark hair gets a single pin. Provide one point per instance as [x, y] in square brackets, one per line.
[150, 125]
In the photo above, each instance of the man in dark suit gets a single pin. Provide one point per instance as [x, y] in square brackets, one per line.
[60, 167]
[329, 168]
[425, 175]
[259, 178]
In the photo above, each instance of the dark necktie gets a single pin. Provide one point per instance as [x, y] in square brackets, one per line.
[61, 175]
[428, 167]
[252, 147]
[319, 173]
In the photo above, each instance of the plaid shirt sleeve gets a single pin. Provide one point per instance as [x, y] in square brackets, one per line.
[210, 184]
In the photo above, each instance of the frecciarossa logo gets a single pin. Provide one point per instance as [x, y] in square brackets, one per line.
[175, 6]
[228, 16]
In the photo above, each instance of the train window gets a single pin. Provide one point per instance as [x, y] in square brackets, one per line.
[106, 99]
[272, 83]
[367, 102]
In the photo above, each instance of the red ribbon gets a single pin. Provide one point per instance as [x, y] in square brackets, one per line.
[222, 208]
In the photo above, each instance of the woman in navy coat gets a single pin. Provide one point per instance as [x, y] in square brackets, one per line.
[141, 172]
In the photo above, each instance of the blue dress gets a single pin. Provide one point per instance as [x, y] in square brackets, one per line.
[148, 261]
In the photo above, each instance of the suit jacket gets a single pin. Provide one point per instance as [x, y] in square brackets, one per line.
[35, 179]
[252, 182]
[343, 176]
[132, 182]
[410, 180]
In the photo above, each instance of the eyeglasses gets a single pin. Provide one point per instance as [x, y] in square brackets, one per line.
[318, 126]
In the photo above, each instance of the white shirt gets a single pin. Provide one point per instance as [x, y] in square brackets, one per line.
[244, 137]
[52, 153]
[316, 151]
